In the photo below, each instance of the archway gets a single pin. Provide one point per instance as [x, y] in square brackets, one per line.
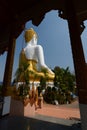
[54, 37]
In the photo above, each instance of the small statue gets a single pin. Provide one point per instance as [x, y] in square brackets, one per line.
[34, 56]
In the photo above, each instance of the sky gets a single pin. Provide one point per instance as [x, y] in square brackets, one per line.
[53, 36]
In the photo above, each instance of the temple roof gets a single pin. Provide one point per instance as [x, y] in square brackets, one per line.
[15, 13]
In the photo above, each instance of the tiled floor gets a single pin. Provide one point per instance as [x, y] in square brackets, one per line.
[50, 117]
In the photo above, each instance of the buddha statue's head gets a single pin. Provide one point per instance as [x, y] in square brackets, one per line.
[29, 34]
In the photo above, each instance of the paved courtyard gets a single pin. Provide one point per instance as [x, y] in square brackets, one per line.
[70, 111]
[50, 117]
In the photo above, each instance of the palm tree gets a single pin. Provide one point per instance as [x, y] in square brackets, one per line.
[44, 79]
[22, 75]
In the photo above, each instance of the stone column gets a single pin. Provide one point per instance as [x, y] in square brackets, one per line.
[79, 60]
[9, 65]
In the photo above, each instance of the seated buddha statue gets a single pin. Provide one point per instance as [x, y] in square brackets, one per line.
[33, 55]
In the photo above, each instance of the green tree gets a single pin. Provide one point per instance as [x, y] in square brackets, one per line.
[44, 79]
[42, 83]
[22, 75]
[65, 81]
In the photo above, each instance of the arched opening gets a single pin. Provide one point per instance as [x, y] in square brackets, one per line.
[53, 35]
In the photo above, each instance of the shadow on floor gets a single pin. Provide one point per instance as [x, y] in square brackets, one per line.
[25, 123]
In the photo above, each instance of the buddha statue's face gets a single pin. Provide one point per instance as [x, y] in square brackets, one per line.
[29, 34]
[34, 40]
